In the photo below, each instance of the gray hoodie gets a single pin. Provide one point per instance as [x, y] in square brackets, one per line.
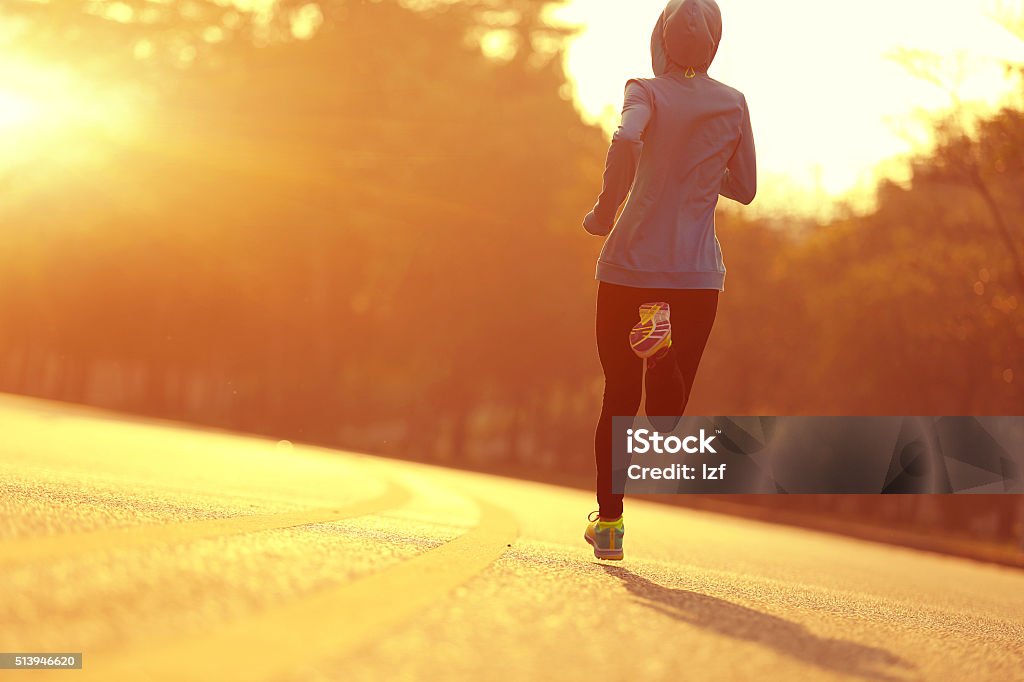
[684, 139]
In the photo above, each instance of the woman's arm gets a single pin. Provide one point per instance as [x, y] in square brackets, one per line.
[623, 157]
[740, 180]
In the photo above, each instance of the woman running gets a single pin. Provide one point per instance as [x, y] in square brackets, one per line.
[684, 140]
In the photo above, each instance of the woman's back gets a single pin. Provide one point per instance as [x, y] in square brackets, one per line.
[685, 138]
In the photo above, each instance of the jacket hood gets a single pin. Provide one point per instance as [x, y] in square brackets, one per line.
[686, 36]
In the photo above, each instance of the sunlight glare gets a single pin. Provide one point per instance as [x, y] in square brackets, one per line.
[48, 112]
[17, 110]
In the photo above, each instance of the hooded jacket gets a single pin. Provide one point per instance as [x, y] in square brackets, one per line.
[684, 139]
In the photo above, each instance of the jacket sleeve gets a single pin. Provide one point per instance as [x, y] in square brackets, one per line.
[622, 160]
[740, 180]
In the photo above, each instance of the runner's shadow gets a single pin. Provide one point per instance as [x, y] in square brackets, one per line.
[783, 636]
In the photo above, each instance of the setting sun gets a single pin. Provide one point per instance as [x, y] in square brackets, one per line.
[55, 113]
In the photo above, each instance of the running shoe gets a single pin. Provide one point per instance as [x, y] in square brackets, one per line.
[654, 331]
[605, 537]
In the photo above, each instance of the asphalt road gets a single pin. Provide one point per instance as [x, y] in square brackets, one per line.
[167, 553]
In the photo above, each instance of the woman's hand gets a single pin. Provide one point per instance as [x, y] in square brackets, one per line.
[594, 226]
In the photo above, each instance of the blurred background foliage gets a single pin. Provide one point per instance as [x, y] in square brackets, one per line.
[342, 223]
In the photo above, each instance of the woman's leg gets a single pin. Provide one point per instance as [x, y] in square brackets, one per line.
[623, 376]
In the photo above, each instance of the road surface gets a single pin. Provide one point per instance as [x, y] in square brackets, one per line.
[167, 553]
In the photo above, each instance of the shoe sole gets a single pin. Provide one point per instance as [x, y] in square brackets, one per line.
[663, 329]
[604, 554]
[656, 328]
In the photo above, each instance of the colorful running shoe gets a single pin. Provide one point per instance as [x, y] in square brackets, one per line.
[605, 537]
[654, 331]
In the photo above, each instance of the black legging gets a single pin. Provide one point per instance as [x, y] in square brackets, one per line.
[668, 382]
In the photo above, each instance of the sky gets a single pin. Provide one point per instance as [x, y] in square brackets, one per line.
[828, 102]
